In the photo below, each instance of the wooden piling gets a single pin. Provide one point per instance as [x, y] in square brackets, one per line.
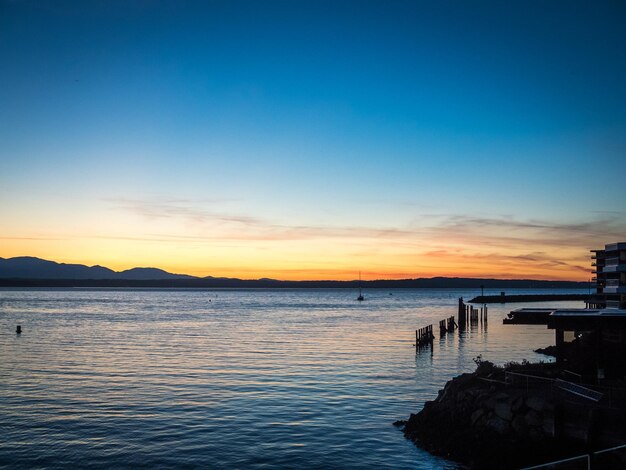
[423, 337]
[462, 314]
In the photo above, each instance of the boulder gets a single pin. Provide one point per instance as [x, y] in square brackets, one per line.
[517, 404]
[535, 402]
[532, 418]
[548, 426]
[503, 411]
[501, 396]
[535, 434]
[519, 425]
[476, 415]
[499, 425]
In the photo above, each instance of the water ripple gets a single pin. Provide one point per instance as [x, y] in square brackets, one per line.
[255, 378]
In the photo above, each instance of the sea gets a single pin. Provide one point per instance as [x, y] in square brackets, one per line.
[234, 378]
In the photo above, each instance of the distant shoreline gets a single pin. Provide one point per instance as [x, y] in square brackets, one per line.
[432, 283]
[28, 271]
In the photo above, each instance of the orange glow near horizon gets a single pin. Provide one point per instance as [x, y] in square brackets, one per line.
[313, 259]
[186, 238]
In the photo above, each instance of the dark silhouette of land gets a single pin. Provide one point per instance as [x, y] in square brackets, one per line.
[35, 272]
[27, 267]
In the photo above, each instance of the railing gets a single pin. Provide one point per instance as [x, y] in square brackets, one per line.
[614, 397]
[534, 381]
[574, 375]
[591, 461]
[579, 390]
[528, 381]
[605, 397]
[580, 458]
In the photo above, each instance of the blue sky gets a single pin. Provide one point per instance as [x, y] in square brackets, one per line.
[358, 115]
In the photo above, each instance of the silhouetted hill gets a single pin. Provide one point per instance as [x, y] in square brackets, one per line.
[34, 272]
[150, 274]
[36, 268]
[27, 267]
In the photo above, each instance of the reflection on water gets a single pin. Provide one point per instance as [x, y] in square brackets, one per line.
[296, 378]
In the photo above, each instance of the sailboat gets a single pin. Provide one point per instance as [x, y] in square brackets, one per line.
[360, 297]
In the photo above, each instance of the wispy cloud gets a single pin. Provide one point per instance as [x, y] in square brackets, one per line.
[181, 208]
[445, 230]
[425, 245]
[34, 238]
[505, 231]
[214, 224]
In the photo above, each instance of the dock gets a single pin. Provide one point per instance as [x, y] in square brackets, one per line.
[528, 316]
[504, 298]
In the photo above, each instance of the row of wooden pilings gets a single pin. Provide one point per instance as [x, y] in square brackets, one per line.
[466, 314]
[424, 337]
[447, 325]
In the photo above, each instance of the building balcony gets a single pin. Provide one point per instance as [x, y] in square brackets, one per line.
[615, 290]
[615, 268]
[615, 246]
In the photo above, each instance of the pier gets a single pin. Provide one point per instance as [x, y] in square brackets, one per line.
[467, 315]
[503, 298]
[528, 316]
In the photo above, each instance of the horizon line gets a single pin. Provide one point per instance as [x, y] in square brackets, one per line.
[485, 277]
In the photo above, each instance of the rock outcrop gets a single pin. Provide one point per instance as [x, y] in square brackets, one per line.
[478, 421]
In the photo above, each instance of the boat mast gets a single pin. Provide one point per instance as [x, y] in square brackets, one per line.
[360, 297]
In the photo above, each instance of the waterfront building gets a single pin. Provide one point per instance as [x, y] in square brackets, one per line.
[595, 338]
[591, 341]
[609, 269]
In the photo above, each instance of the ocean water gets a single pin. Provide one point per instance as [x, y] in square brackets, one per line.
[231, 378]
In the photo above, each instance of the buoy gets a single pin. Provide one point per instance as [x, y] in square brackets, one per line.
[18, 330]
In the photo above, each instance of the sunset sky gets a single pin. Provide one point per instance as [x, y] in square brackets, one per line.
[311, 140]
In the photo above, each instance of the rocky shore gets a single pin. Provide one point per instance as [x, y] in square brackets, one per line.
[478, 421]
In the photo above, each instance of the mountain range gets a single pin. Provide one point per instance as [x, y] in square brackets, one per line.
[27, 271]
[28, 267]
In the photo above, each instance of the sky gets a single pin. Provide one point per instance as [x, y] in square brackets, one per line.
[314, 139]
